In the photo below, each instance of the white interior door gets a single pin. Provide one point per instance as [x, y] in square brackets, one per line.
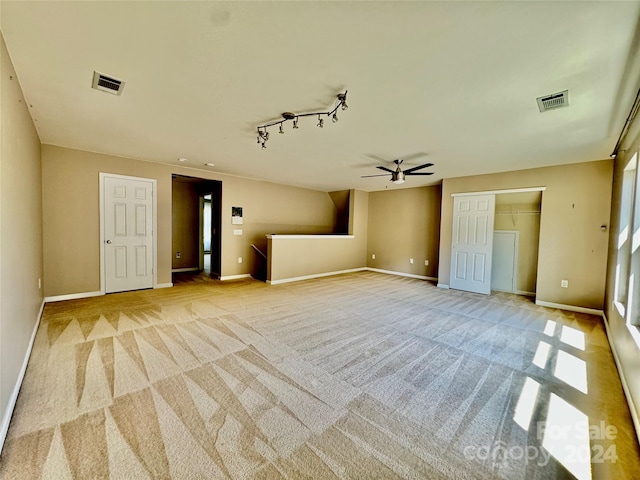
[472, 242]
[127, 233]
[504, 265]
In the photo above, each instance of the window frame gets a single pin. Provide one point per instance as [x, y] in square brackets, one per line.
[627, 276]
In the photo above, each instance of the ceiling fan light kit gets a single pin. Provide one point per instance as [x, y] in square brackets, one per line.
[263, 134]
[397, 178]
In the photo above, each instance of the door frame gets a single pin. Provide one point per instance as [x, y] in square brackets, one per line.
[486, 192]
[514, 281]
[154, 228]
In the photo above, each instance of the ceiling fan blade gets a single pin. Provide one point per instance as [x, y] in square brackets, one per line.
[418, 173]
[367, 176]
[376, 158]
[415, 155]
[385, 169]
[413, 169]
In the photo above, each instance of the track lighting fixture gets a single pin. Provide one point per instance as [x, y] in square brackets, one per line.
[263, 134]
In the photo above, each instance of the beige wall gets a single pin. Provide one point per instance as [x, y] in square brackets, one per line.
[71, 216]
[404, 224]
[575, 204]
[299, 257]
[185, 214]
[627, 349]
[269, 208]
[514, 213]
[20, 232]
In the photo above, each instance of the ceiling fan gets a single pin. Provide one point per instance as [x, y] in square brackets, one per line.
[397, 175]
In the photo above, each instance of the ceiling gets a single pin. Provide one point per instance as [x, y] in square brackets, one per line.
[452, 83]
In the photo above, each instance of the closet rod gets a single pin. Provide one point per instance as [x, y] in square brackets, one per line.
[519, 213]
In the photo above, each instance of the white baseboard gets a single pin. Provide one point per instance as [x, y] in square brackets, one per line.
[571, 308]
[163, 285]
[8, 413]
[625, 386]
[72, 296]
[180, 270]
[401, 274]
[315, 275]
[443, 285]
[235, 277]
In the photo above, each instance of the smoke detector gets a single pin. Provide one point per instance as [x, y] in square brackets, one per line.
[553, 101]
[106, 83]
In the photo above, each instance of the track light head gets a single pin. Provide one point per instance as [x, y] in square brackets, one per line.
[295, 123]
[320, 122]
[342, 100]
[281, 130]
[334, 119]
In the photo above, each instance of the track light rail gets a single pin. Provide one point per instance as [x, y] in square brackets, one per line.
[263, 134]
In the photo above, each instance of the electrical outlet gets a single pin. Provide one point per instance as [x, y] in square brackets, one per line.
[564, 283]
[178, 254]
[411, 261]
[426, 263]
[373, 256]
[239, 259]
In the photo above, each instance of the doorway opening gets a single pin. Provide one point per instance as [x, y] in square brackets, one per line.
[196, 226]
[515, 253]
[206, 233]
[512, 217]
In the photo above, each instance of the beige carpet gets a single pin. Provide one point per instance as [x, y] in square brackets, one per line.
[355, 376]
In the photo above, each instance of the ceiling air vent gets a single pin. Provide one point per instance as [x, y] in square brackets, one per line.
[555, 100]
[107, 84]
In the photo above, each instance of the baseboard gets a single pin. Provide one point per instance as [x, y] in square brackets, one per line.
[401, 274]
[13, 398]
[72, 296]
[315, 275]
[180, 270]
[571, 308]
[526, 294]
[625, 387]
[443, 285]
[235, 277]
[163, 285]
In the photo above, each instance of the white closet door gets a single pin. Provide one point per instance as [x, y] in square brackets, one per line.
[472, 243]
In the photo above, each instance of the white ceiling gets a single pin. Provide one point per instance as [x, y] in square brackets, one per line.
[454, 81]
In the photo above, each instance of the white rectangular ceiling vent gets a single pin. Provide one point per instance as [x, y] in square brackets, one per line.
[555, 100]
[107, 84]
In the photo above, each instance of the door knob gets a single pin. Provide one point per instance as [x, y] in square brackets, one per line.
[109, 242]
